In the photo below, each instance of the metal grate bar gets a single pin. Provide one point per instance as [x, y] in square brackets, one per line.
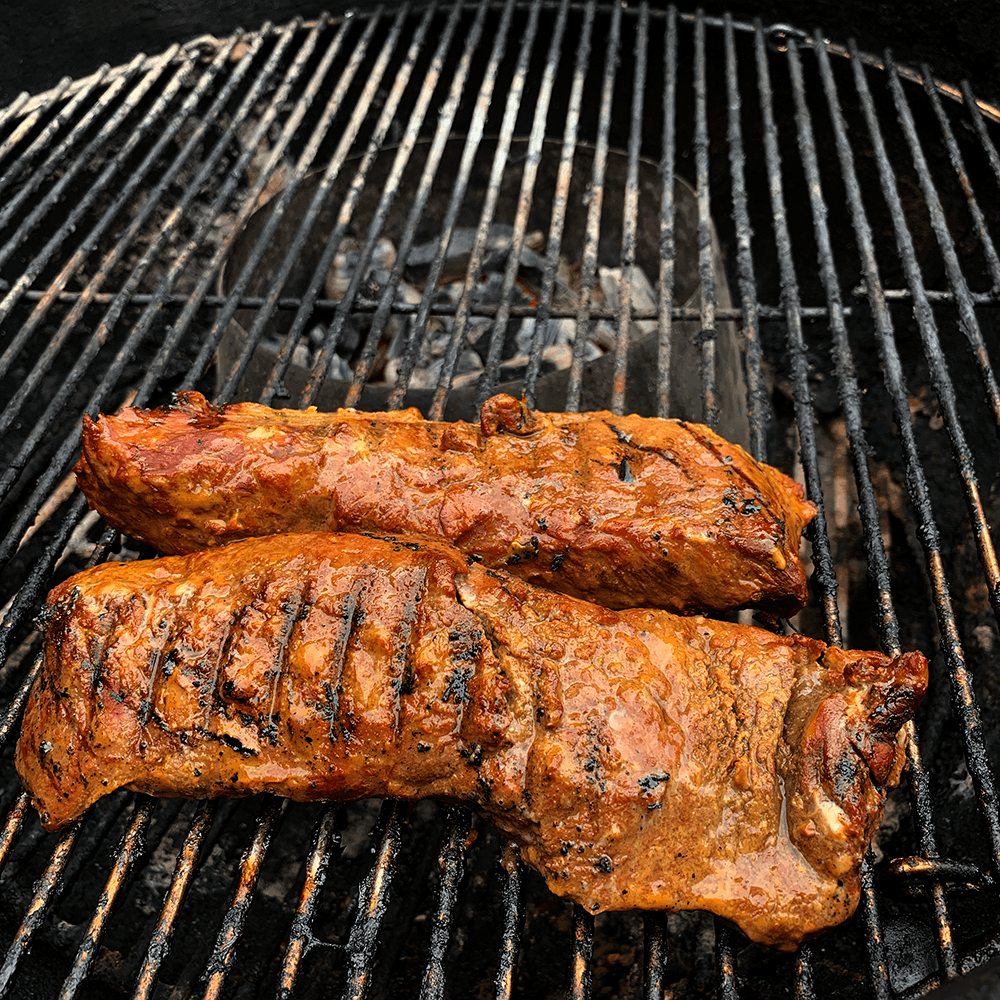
[373, 898]
[363, 305]
[130, 850]
[560, 198]
[957, 162]
[596, 199]
[224, 951]
[325, 846]
[47, 889]
[12, 826]
[295, 175]
[363, 366]
[725, 961]
[824, 577]
[972, 106]
[451, 861]
[447, 227]
[878, 969]
[513, 918]
[17, 105]
[850, 396]
[963, 296]
[77, 161]
[446, 118]
[804, 989]
[490, 376]
[56, 342]
[187, 860]
[141, 328]
[710, 390]
[668, 245]
[630, 219]
[297, 244]
[920, 786]
[47, 135]
[580, 977]
[320, 196]
[962, 695]
[758, 403]
[13, 714]
[511, 108]
[654, 951]
[55, 290]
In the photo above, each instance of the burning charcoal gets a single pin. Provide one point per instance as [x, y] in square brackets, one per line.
[643, 296]
[348, 260]
[459, 250]
[557, 332]
[316, 336]
[302, 355]
[554, 358]
[427, 377]
[340, 368]
[603, 335]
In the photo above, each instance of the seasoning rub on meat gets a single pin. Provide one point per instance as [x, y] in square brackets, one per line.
[624, 511]
[642, 760]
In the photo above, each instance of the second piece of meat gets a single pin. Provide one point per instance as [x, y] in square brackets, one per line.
[625, 511]
[641, 759]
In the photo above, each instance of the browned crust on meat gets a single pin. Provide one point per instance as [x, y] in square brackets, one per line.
[642, 760]
[624, 511]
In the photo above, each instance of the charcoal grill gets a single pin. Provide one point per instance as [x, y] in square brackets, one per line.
[851, 205]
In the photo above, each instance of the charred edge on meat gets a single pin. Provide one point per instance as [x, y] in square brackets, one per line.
[525, 553]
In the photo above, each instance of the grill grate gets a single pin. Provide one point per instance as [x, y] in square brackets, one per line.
[852, 203]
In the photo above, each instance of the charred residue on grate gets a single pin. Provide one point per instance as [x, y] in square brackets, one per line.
[192, 144]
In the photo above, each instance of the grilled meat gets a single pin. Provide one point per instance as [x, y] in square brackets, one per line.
[642, 760]
[624, 511]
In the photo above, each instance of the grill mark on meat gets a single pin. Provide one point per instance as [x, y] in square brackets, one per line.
[401, 675]
[218, 697]
[459, 680]
[352, 614]
[165, 626]
[290, 610]
[96, 648]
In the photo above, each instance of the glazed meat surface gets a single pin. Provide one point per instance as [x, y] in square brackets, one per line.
[641, 760]
[623, 511]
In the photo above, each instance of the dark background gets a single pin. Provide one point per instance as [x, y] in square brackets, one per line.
[42, 41]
